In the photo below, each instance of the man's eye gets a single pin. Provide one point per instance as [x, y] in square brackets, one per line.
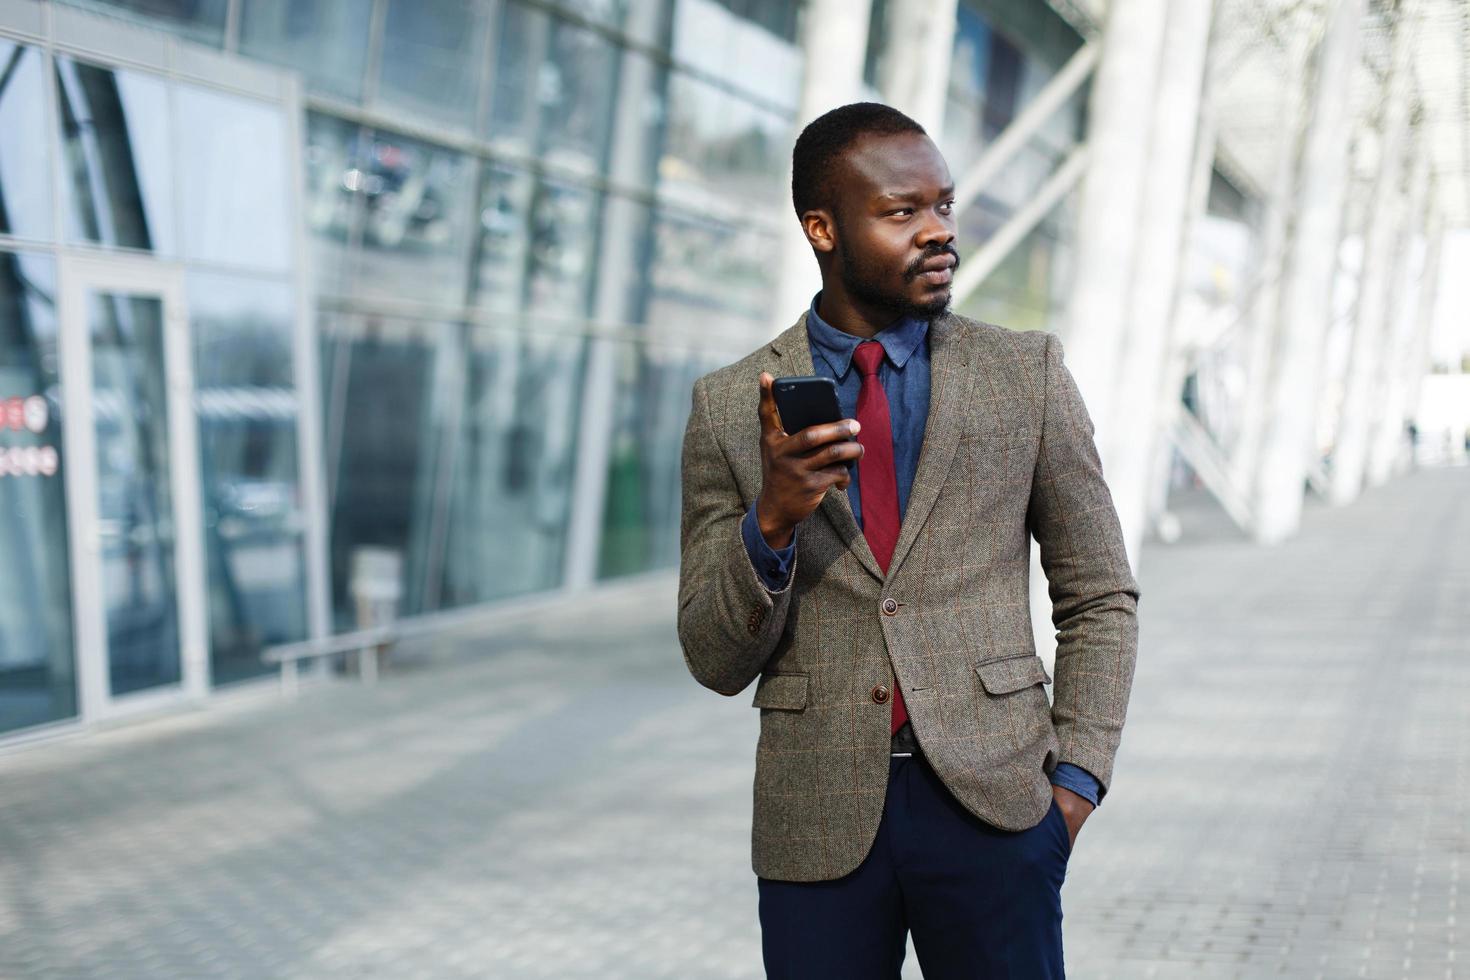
[947, 205]
[900, 211]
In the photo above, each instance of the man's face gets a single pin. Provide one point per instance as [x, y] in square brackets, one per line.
[894, 219]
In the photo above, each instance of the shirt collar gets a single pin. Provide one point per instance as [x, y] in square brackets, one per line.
[899, 339]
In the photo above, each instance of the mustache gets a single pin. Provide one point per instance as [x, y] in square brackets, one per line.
[916, 266]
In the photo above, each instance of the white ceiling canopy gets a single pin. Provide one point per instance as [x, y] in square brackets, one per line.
[1257, 84]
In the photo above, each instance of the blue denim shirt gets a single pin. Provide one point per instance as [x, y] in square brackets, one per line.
[904, 374]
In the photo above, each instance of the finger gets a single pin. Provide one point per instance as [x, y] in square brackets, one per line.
[770, 417]
[819, 435]
[839, 451]
[835, 476]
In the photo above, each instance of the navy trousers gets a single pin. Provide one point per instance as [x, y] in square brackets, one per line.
[982, 902]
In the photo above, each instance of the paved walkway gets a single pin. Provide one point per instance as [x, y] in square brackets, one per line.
[1292, 797]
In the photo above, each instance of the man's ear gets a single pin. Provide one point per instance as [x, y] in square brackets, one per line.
[820, 229]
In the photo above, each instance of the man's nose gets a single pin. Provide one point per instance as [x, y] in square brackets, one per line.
[937, 231]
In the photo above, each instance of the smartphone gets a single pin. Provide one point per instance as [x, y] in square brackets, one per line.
[808, 400]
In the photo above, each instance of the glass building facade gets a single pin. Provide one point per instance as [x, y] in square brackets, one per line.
[284, 283]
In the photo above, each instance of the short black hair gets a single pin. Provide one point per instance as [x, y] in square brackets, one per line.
[823, 141]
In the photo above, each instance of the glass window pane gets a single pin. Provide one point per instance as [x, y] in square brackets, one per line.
[25, 193]
[418, 201]
[521, 39]
[743, 48]
[563, 237]
[392, 388]
[707, 268]
[37, 666]
[326, 40]
[640, 527]
[236, 184]
[578, 84]
[511, 487]
[500, 267]
[246, 400]
[609, 12]
[197, 20]
[335, 186]
[721, 143]
[116, 169]
[135, 507]
[432, 55]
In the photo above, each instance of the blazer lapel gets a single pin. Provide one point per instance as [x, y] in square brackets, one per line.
[796, 359]
[951, 380]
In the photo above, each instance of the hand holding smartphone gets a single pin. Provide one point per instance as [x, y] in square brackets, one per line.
[807, 400]
[807, 448]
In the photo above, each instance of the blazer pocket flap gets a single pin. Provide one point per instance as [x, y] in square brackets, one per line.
[1012, 673]
[781, 691]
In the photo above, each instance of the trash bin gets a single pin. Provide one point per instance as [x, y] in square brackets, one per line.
[375, 584]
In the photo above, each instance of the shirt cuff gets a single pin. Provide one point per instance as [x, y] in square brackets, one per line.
[773, 565]
[1079, 781]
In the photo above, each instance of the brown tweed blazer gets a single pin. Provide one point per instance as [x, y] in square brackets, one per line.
[1008, 453]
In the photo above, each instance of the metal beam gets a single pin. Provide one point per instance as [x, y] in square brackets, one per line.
[1015, 136]
[978, 267]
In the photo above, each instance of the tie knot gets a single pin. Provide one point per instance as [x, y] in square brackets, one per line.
[867, 357]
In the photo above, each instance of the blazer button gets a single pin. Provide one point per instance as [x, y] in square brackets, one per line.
[753, 623]
[880, 694]
[890, 606]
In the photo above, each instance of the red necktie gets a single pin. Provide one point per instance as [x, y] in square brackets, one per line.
[877, 484]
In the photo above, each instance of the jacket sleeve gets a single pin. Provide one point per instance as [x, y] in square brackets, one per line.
[1093, 592]
[728, 621]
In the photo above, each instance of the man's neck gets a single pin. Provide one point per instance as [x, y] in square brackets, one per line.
[851, 320]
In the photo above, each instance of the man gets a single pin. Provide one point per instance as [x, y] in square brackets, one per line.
[910, 773]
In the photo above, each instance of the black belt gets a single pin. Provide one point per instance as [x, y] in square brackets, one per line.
[904, 740]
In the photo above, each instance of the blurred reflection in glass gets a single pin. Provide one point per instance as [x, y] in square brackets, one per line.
[25, 194]
[246, 399]
[235, 184]
[433, 52]
[336, 176]
[135, 507]
[197, 20]
[720, 144]
[746, 45]
[326, 40]
[554, 88]
[37, 673]
[504, 241]
[522, 38]
[511, 478]
[388, 386]
[418, 200]
[641, 518]
[116, 168]
[708, 268]
[609, 12]
[563, 236]
[578, 83]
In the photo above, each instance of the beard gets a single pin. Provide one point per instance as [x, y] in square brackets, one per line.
[865, 280]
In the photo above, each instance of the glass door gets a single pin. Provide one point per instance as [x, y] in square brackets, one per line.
[132, 486]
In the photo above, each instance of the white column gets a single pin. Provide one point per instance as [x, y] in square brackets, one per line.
[834, 43]
[1385, 216]
[1148, 325]
[1264, 320]
[913, 74]
[1417, 363]
[1386, 434]
[1121, 108]
[1294, 376]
